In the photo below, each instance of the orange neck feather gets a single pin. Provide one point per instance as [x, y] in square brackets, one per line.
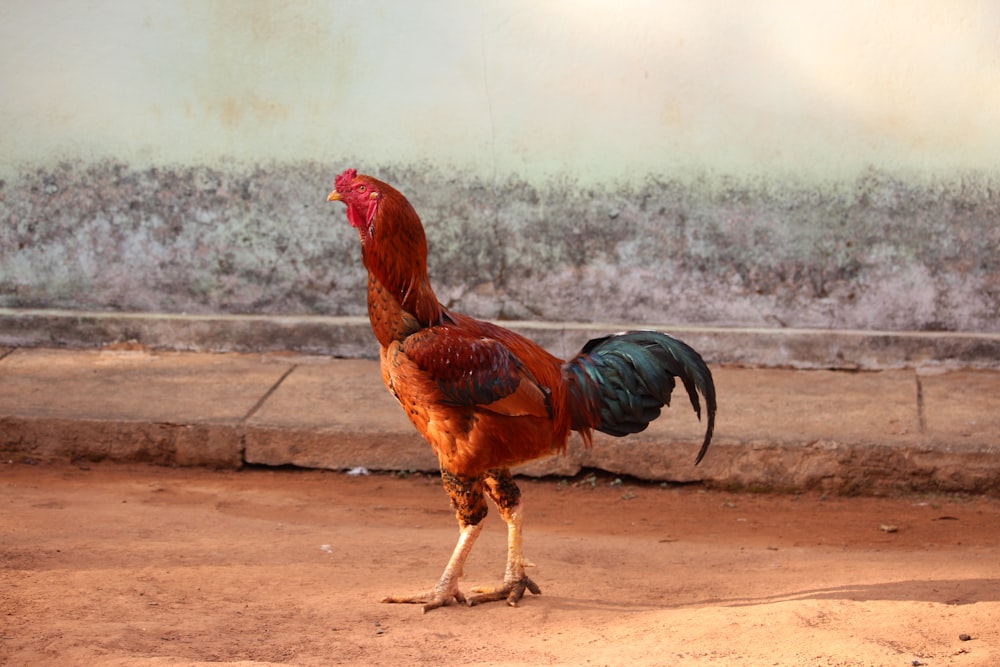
[396, 260]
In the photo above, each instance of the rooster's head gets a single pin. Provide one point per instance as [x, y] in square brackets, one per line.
[362, 195]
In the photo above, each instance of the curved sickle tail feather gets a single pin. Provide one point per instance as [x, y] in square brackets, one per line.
[618, 384]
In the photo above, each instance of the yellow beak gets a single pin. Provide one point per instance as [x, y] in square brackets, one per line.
[333, 196]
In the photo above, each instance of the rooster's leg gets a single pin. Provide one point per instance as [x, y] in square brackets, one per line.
[502, 489]
[446, 589]
[470, 508]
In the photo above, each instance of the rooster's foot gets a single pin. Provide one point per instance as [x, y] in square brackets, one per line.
[511, 592]
[430, 600]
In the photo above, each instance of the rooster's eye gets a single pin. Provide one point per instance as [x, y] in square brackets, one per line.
[361, 188]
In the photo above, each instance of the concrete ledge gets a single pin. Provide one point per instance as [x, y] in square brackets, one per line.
[350, 337]
[211, 445]
[855, 432]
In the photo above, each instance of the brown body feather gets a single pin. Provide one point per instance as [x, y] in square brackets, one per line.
[482, 396]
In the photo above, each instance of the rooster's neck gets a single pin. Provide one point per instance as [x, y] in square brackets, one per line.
[400, 298]
[394, 317]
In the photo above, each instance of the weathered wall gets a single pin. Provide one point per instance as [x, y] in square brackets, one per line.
[768, 164]
[877, 253]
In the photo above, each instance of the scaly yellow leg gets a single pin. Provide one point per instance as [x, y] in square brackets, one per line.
[446, 589]
[515, 581]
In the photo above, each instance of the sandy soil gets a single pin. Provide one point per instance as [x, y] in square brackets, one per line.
[133, 565]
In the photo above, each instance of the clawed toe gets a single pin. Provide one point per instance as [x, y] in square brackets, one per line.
[430, 600]
[512, 592]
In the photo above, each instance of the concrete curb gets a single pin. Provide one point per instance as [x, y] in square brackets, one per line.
[857, 432]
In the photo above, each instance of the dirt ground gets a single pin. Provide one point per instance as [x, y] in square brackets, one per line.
[133, 565]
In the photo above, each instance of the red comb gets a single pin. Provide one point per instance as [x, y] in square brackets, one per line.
[344, 180]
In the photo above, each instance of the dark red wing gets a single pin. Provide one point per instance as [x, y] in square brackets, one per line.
[469, 369]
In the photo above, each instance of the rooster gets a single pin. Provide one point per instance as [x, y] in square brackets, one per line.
[487, 398]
